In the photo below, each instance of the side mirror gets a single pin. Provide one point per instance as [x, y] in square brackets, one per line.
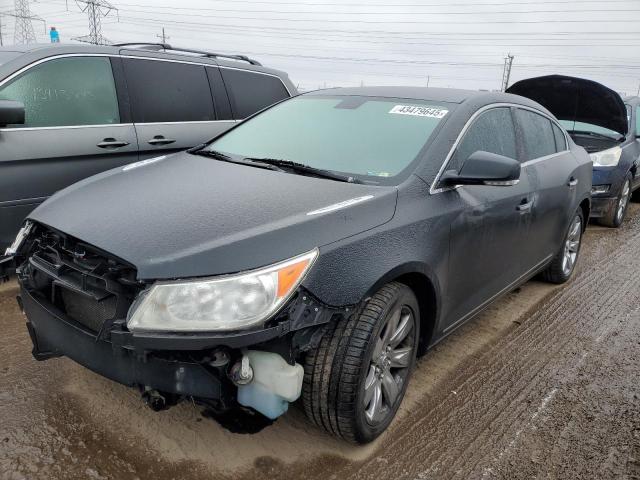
[11, 113]
[484, 168]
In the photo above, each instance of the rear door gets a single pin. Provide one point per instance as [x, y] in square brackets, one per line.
[250, 92]
[75, 127]
[547, 159]
[492, 224]
[172, 104]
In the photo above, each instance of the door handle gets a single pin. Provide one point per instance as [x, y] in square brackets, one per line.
[160, 140]
[525, 206]
[572, 182]
[112, 143]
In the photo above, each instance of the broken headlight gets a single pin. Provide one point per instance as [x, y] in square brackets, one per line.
[230, 302]
[606, 158]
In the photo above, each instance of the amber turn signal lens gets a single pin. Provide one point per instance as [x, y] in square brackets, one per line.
[289, 276]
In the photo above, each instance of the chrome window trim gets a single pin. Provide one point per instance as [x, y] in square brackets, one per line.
[63, 127]
[433, 190]
[115, 55]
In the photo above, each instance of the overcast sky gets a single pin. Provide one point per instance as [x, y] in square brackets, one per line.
[454, 43]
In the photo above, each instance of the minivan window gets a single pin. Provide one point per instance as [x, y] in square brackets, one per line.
[362, 136]
[250, 92]
[638, 121]
[538, 136]
[493, 131]
[66, 92]
[168, 91]
[561, 141]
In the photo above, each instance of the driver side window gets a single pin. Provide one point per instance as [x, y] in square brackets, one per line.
[493, 131]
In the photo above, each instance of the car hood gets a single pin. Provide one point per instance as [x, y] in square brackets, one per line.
[189, 216]
[576, 99]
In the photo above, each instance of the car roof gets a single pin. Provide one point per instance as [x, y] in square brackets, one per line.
[477, 98]
[450, 95]
[152, 50]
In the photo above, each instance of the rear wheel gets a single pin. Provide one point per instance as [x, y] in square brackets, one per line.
[616, 217]
[355, 380]
[564, 263]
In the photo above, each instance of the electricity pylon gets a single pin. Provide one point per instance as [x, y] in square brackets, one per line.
[24, 32]
[96, 9]
[506, 72]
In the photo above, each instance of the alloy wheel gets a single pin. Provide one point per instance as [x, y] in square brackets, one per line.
[572, 245]
[624, 200]
[390, 365]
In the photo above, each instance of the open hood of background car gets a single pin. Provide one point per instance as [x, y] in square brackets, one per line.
[576, 99]
[191, 216]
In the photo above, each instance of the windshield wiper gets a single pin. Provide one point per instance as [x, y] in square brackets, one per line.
[302, 168]
[223, 157]
[619, 136]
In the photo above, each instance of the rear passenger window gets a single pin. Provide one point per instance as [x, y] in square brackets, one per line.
[71, 91]
[538, 136]
[561, 141]
[492, 132]
[168, 91]
[250, 92]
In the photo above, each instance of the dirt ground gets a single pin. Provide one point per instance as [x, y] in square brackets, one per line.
[544, 384]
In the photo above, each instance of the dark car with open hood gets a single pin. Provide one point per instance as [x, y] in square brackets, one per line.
[311, 251]
[599, 120]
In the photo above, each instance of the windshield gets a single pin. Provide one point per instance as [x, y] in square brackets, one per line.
[573, 126]
[361, 136]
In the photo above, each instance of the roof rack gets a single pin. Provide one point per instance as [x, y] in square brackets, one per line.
[166, 46]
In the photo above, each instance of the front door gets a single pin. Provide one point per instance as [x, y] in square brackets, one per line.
[73, 130]
[491, 225]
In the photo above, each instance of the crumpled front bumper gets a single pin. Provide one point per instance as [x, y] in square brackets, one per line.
[53, 335]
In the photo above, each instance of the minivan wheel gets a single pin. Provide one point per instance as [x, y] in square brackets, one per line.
[356, 378]
[616, 217]
[564, 263]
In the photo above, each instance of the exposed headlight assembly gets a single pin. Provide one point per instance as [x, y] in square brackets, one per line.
[606, 158]
[230, 302]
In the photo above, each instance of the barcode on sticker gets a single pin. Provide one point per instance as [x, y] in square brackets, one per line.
[419, 111]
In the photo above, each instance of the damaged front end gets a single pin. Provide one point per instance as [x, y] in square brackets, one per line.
[78, 300]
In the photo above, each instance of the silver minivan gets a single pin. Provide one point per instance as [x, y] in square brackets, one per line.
[70, 111]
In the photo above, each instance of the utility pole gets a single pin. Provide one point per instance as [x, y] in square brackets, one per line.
[637, 94]
[95, 9]
[1, 42]
[506, 71]
[163, 37]
[428, 80]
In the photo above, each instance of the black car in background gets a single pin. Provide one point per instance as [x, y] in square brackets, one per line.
[312, 250]
[599, 120]
[70, 111]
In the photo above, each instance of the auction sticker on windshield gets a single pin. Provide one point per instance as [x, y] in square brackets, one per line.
[419, 111]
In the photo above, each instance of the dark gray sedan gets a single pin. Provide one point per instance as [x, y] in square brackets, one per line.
[311, 251]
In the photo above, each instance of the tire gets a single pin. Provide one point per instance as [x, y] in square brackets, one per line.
[558, 271]
[338, 370]
[616, 217]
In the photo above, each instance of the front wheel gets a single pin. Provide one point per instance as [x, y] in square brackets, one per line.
[564, 263]
[616, 217]
[356, 378]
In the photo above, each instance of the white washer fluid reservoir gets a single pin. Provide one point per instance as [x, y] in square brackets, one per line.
[275, 383]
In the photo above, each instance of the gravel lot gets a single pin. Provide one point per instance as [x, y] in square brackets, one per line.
[544, 384]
